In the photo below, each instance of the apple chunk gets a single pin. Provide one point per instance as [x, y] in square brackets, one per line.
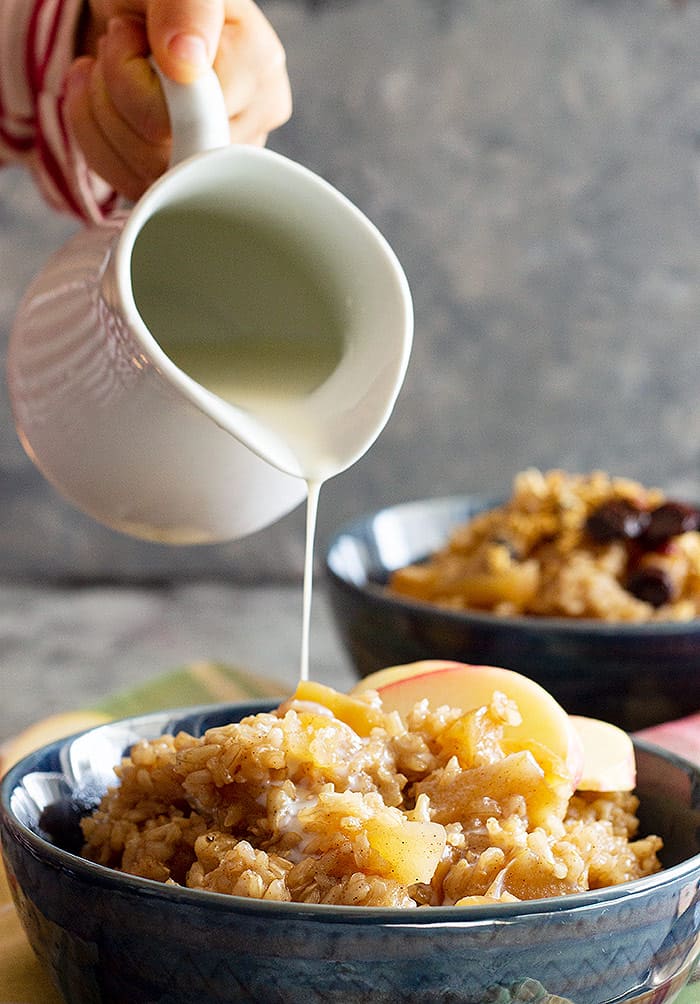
[412, 850]
[467, 687]
[608, 756]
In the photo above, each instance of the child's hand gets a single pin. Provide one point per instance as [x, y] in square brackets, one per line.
[114, 103]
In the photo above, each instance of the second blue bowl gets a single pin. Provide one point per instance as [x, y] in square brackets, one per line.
[635, 675]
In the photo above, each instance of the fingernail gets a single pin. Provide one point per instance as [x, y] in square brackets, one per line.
[190, 49]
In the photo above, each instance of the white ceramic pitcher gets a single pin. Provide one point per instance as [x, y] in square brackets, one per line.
[236, 266]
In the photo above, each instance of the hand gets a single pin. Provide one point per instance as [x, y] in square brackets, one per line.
[114, 102]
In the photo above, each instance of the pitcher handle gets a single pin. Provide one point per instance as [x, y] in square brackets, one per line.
[198, 117]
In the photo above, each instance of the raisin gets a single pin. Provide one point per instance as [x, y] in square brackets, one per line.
[669, 520]
[617, 519]
[652, 585]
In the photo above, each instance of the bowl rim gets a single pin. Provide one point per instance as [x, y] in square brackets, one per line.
[479, 502]
[443, 916]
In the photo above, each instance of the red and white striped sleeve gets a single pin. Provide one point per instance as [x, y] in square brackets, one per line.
[37, 45]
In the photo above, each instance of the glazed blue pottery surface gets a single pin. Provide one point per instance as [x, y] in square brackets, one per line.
[635, 675]
[108, 937]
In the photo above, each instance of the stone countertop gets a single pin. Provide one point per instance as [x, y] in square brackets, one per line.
[64, 649]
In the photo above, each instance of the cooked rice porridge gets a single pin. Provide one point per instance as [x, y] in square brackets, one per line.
[569, 545]
[334, 800]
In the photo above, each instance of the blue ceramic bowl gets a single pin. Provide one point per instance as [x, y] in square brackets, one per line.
[635, 675]
[109, 937]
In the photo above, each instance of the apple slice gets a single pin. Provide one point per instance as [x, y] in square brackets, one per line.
[467, 687]
[608, 756]
[361, 717]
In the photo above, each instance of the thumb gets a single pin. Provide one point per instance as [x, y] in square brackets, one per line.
[184, 36]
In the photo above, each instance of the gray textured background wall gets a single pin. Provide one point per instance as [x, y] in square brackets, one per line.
[536, 165]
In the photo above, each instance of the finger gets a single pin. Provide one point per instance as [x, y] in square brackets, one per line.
[97, 15]
[130, 81]
[100, 156]
[247, 53]
[269, 110]
[251, 65]
[184, 37]
[251, 126]
[244, 134]
[143, 149]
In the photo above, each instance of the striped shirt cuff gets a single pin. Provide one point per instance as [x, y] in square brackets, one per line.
[37, 46]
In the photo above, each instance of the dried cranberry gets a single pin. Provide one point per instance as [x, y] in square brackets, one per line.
[617, 519]
[652, 585]
[669, 520]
